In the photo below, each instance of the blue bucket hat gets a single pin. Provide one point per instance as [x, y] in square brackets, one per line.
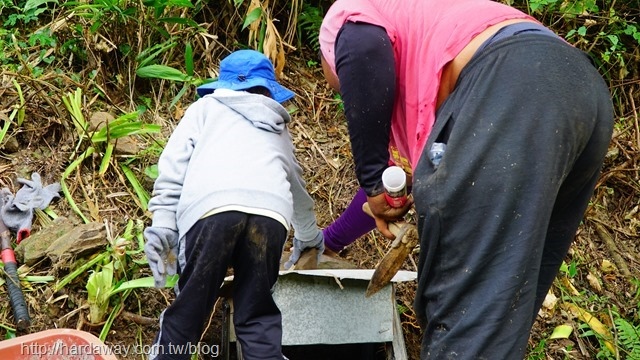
[244, 69]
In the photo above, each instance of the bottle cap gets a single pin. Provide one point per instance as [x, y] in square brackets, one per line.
[394, 181]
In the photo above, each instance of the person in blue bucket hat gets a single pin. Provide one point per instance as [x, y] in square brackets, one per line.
[246, 69]
[228, 192]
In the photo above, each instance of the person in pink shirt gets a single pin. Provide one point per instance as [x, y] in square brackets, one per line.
[503, 127]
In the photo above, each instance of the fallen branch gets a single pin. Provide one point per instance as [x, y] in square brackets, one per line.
[138, 319]
[635, 118]
[613, 249]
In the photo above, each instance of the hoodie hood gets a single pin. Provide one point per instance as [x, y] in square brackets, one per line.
[261, 111]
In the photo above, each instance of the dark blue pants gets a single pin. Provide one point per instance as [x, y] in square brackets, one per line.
[526, 129]
[252, 245]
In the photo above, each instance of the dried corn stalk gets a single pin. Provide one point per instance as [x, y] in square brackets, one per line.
[272, 45]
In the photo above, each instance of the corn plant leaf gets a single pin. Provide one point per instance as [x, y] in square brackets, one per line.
[595, 324]
[179, 3]
[34, 4]
[73, 103]
[107, 324]
[21, 107]
[99, 287]
[3, 131]
[122, 119]
[148, 55]
[162, 72]
[145, 282]
[143, 195]
[561, 332]
[120, 131]
[106, 158]
[179, 95]
[123, 126]
[254, 15]
[39, 279]
[11, 332]
[188, 59]
[569, 286]
[141, 261]
[80, 270]
[65, 188]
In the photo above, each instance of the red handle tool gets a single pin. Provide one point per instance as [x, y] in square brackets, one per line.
[20, 310]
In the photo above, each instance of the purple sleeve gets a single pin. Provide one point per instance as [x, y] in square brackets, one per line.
[366, 69]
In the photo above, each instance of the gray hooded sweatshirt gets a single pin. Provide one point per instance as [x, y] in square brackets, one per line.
[231, 148]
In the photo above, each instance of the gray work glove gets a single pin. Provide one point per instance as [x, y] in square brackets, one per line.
[161, 248]
[17, 211]
[300, 246]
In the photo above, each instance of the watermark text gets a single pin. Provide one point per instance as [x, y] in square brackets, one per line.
[61, 348]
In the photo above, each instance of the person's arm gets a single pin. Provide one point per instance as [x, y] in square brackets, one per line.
[162, 237]
[304, 218]
[365, 67]
[307, 235]
[172, 167]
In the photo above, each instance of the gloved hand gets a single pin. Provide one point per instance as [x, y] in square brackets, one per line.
[300, 246]
[17, 211]
[161, 248]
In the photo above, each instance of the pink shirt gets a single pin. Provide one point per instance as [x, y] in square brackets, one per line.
[426, 35]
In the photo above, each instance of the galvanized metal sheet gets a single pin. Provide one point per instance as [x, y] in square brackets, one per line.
[330, 307]
[327, 310]
[361, 274]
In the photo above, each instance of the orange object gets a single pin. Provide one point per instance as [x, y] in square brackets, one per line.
[56, 344]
